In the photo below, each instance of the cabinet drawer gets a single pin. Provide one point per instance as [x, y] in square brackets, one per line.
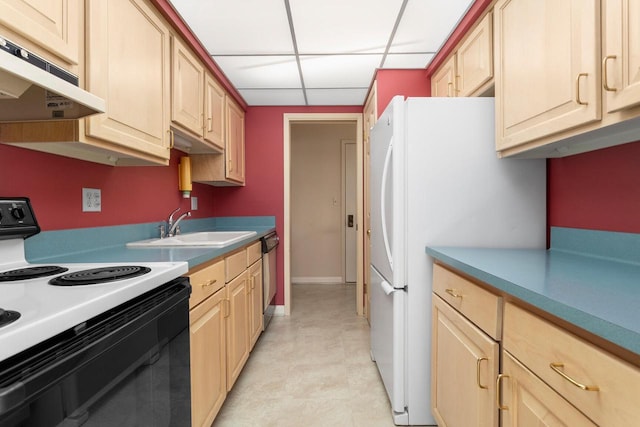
[235, 264]
[254, 252]
[529, 401]
[205, 281]
[480, 306]
[538, 344]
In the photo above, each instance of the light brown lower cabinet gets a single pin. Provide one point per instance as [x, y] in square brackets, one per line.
[465, 362]
[208, 359]
[237, 327]
[526, 401]
[256, 318]
[601, 386]
[225, 323]
[549, 376]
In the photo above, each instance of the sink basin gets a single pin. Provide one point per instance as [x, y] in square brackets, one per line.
[211, 239]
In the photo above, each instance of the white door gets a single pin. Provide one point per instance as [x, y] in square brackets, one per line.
[350, 209]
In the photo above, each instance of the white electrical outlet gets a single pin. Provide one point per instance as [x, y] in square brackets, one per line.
[194, 203]
[91, 200]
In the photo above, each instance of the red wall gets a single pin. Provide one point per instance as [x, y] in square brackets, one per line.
[392, 82]
[264, 190]
[130, 195]
[599, 190]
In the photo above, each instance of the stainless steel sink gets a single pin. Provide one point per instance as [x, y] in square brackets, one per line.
[212, 239]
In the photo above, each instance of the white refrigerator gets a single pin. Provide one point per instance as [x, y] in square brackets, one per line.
[436, 181]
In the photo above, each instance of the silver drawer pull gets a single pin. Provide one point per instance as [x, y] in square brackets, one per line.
[556, 368]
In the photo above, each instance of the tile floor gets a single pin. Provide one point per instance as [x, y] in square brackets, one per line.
[311, 369]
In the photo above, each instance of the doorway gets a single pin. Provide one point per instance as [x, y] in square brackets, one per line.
[355, 120]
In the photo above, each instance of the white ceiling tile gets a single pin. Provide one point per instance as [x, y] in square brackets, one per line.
[341, 43]
[337, 71]
[336, 96]
[260, 71]
[426, 24]
[407, 60]
[238, 27]
[338, 26]
[273, 96]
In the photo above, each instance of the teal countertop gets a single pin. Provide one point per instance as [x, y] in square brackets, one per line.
[588, 278]
[108, 244]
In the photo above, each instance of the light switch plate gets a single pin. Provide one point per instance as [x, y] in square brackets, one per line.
[91, 200]
[194, 203]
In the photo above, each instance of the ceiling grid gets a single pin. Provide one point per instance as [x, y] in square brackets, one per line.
[312, 52]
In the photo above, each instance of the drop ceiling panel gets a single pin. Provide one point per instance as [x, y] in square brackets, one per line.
[238, 27]
[426, 24]
[337, 96]
[246, 72]
[339, 71]
[273, 96]
[407, 60]
[338, 26]
[331, 55]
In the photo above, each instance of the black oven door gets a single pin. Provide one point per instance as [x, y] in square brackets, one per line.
[127, 367]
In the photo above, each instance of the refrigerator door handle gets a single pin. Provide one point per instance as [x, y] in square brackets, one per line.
[383, 194]
[386, 287]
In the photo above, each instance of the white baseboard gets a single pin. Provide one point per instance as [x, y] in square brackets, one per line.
[279, 310]
[331, 280]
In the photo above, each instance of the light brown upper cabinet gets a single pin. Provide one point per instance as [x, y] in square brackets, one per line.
[214, 100]
[126, 64]
[621, 54]
[228, 168]
[547, 68]
[197, 107]
[469, 71]
[567, 76]
[234, 153]
[48, 28]
[443, 80]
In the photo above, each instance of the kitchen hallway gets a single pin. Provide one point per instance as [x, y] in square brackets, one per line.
[311, 369]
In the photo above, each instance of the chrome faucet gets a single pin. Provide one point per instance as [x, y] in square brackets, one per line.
[172, 226]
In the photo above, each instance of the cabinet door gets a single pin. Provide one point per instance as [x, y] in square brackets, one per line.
[547, 67]
[621, 54]
[475, 58]
[528, 402]
[443, 81]
[52, 25]
[465, 363]
[256, 318]
[234, 153]
[128, 54]
[237, 327]
[208, 359]
[214, 127]
[187, 90]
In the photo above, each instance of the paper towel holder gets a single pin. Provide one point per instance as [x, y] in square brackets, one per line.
[184, 176]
